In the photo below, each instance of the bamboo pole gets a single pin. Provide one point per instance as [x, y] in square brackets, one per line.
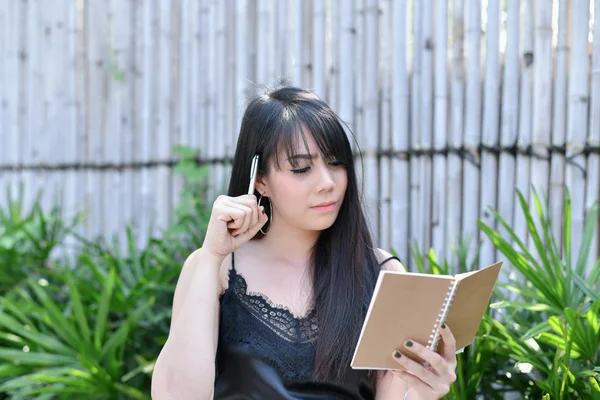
[559, 122]
[371, 113]
[542, 100]
[231, 101]
[162, 186]
[95, 82]
[416, 227]
[593, 166]
[318, 19]
[34, 123]
[49, 109]
[347, 49]
[455, 163]
[265, 61]
[298, 42]
[510, 116]
[385, 170]
[522, 172]
[120, 120]
[333, 38]
[139, 114]
[472, 135]
[209, 129]
[577, 123]
[491, 122]
[439, 239]
[15, 144]
[400, 134]
[77, 93]
[221, 135]
[426, 121]
[10, 147]
[282, 24]
[182, 44]
[359, 57]
[111, 212]
[307, 49]
[242, 91]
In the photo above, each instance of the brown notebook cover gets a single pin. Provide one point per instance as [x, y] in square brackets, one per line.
[409, 305]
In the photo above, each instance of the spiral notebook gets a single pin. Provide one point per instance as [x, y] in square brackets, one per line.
[409, 305]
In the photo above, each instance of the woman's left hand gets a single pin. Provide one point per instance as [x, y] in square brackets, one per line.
[431, 382]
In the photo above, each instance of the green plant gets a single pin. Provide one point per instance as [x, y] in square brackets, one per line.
[70, 350]
[91, 326]
[28, 238]
[480, 370]
[551, 328]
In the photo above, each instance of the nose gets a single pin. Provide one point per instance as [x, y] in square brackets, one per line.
[326, 181]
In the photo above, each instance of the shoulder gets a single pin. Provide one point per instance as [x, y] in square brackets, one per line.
[390, 265]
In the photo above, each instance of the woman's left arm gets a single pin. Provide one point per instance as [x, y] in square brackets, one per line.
[420, 382]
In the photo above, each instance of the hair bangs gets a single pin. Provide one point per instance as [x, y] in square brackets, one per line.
[323, 126]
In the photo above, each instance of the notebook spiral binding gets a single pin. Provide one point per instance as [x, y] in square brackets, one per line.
[434, 338]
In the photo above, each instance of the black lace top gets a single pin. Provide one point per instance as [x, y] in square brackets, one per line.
[275, 336]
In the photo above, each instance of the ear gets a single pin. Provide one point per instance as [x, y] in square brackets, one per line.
[261, 185]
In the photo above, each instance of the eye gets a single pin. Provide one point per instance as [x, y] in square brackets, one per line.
[336, 163]
[301, 170]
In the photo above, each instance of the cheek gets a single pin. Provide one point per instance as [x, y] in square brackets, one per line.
[289, 192]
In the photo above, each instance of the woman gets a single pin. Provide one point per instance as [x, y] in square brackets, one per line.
[279, 290]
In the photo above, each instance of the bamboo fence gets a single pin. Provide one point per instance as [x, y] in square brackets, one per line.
[454, 104]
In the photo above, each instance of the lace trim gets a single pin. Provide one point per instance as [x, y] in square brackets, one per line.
[277, 318]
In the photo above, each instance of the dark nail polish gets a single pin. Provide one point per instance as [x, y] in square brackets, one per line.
[397, 354]
[443, 326]
[409, 343]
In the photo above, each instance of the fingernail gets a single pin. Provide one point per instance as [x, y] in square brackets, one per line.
[409, 343]
[397, 354]
[443, 326]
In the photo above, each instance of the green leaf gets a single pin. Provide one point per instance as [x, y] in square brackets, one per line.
[19, 357]
[131, 391]
[537, 330]
[56, 320]
[45, 341]
[78, 308]
[588, 237]
[103, 308]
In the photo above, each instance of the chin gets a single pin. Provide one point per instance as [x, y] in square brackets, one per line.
[322, 224]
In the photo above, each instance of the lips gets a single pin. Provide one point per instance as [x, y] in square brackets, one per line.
[326, 204]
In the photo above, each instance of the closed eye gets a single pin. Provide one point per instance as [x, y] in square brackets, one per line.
[301, 170]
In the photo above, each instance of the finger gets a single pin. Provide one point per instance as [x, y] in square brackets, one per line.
[230, 215]
[435, 360]
[425, 375]
[253, 230]
[423, 390]
[249, 200]
[242, 224]
[449, 351]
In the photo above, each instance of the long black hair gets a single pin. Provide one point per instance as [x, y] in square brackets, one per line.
[343, 262]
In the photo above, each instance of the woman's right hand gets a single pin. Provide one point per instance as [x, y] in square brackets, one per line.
[233, 222]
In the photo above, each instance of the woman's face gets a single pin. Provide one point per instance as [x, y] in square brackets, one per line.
[308, 196]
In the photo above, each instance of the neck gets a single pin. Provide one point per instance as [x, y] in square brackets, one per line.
[289, 243]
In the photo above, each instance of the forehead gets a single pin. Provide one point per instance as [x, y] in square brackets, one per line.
[302, 142]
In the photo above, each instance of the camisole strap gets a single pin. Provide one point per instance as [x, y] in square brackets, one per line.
[232, 262]
[388, 259]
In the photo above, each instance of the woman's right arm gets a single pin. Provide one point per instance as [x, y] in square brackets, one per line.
[185, 368]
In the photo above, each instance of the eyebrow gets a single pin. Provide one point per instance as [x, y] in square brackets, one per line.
[302, 157]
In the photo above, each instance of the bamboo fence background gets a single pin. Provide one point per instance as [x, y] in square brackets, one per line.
[454, 103]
